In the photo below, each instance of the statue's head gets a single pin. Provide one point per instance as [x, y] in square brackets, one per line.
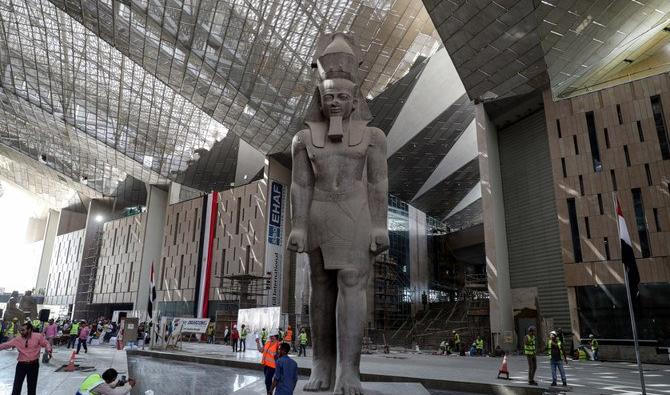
[29, 293]
[337, 60]
[337, 97]
[11, 302]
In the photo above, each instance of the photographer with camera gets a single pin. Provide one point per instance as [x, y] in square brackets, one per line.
[107, 384]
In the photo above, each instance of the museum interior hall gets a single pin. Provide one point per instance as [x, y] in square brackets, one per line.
[412, 195]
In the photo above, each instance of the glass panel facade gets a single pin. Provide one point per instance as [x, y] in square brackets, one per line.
[574, 230]
[641, 223]
[659, 119]
[603, 311]
[398, 223]
[593, 141]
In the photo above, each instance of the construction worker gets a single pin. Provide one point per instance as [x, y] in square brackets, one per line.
[243, 338]
[269, 355]
[594, 346]
[288, 338]
[443, 346]
[11, 328]
[107, 384]
[264, 336]
[280, 334]
[210, 333]
[479, 343]
[74, 334]
[555, 350]
[456, 338]
[302, 338]
[529, 349]
[37, 325]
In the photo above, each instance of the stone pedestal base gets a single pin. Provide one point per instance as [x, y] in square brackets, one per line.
[370, 388]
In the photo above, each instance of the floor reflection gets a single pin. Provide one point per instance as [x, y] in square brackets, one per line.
[171, 377]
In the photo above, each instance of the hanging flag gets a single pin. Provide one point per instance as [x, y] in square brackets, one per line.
[152, 295]
[206, 254]
[627, 254]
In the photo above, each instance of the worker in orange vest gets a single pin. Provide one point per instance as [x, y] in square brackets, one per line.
[269, 354]
[288, 337]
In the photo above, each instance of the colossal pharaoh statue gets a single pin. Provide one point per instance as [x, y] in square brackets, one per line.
[12, 311]
[339, 208]
[28, 306]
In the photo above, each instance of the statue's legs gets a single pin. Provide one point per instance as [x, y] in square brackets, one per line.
[322, 304]
[351, 317]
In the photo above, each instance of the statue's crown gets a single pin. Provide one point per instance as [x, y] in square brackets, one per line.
[337, 57]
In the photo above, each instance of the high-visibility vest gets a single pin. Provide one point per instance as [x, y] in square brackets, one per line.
[74, 330]
[457, 338]
[480, 344]
[10, 329]
[303, 338]
[558, 343]
[594, 344]
[269, 352]
[37, 324]
[264, 335]
[529, 345]
[89, 383]
[243, 334]
[289, 335]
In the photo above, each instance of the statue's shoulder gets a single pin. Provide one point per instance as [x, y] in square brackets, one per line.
[376, 136]
[300, 139]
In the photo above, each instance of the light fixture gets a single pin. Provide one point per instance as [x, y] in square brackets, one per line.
[99, 218]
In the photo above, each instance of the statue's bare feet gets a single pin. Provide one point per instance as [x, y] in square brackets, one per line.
[319, 379]
[348, 383]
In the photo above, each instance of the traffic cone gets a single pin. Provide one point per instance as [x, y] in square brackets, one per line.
[503, 369]
[70, 365]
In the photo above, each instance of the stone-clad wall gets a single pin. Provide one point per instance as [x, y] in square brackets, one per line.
[64, 268]
[624, 122]
[117, 277]
[234, 238]
[176, 279]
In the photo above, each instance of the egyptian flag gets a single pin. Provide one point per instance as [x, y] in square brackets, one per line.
[206, 253]
[627, 254]
[152, 295]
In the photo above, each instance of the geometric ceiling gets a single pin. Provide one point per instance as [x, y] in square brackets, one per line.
[432, 153]
[99, 91]
[505, 48]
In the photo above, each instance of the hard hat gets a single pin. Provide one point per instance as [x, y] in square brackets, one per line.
[591, 336]
[453, 331]
[274, 333]
[15, 319]
[553, 333]
[531, 328]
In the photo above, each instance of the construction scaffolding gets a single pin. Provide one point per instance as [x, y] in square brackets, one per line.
[239, 291]
[87, 277]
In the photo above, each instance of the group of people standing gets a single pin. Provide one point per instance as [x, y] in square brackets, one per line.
[555, 350]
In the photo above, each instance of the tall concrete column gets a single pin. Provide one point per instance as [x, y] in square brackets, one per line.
[497, 260]
[419, 273]
[50, 234]
[157, 204]
[99, 211]
[173, 192]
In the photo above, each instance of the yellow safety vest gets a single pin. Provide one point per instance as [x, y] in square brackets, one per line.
[529, 345]
[74, 330]
[89, 383]
[480, 344]
[264, 335]
[303, 338]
